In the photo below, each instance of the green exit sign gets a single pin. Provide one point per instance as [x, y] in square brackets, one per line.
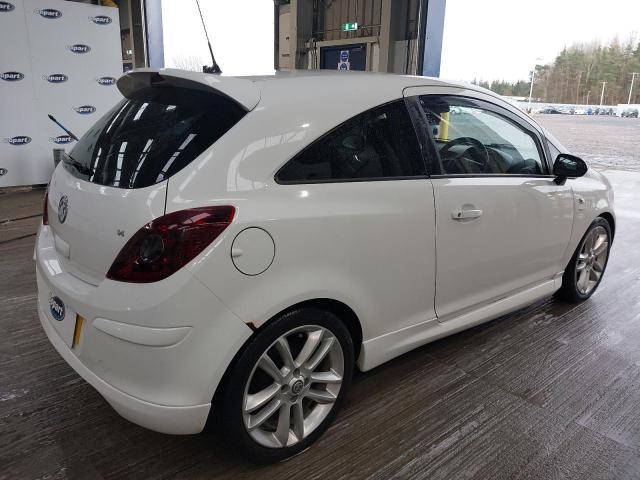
[349, 27]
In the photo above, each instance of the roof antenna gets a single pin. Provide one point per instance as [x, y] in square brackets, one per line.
[214, 68]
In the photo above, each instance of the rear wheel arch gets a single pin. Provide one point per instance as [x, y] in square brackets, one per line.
[341, 310]
[338, 308]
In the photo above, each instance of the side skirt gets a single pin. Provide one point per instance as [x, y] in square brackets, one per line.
[379, 350]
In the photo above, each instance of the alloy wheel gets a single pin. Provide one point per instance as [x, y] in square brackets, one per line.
[592, 260]
[293, 386]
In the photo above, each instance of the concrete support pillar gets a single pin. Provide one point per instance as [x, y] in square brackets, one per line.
[393, 19]
[301, 21]
[385, 62]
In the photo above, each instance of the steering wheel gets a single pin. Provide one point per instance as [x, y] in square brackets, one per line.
[473, 143]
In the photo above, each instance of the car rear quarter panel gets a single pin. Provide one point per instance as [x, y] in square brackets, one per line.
[350, 242]
[369, 245]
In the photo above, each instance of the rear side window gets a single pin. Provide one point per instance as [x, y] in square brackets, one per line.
[148, 138]
[377, 144]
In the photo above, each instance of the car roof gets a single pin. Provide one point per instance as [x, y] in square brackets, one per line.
[346, 77]
[331, 85]
[335, 85]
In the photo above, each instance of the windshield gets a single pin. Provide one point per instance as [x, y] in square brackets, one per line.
[148, 138]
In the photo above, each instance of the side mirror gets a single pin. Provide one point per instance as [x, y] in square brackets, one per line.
[568, 166]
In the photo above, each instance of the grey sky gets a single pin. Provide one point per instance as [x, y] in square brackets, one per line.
[241, 33]
[501, 39]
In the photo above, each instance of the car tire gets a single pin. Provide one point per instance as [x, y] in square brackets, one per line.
[590, 259]
[292, 389]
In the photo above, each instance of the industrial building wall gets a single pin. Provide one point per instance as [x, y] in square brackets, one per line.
[61, 58]
[332, 14]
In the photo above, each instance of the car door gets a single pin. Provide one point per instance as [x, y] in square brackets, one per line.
[502, 223]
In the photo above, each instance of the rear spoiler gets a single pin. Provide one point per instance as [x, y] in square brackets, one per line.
[242, 91]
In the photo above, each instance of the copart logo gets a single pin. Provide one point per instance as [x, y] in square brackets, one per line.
[48, 12]
[85, 109]
[106, 81]
[62, 139]
[18, 140]
[101, 20]
[11, 76]
[55, 78]
[6, 7]
[79, 48]
[57, 308]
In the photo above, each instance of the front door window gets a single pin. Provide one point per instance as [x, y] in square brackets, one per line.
[472, 139]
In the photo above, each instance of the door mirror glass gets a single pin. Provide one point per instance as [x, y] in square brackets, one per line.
[567, 165]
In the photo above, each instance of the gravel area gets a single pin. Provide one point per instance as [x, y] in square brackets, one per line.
[603, 142]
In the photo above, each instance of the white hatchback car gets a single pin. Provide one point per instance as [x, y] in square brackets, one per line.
[231, 248]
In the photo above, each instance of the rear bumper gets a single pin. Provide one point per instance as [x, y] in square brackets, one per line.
[156, 352]
[161, 418]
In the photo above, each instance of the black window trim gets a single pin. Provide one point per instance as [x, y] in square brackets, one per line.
[492, 107]
[279, 181]
[549, 144]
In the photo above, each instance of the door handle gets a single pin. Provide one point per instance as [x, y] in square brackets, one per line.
[466, 214]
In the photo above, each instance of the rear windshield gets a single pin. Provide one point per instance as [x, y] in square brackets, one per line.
[148, 138]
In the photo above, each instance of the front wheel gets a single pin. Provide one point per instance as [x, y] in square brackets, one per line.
[287, 385]
[586, 268]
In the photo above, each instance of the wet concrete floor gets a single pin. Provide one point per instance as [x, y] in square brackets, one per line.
[551, 391]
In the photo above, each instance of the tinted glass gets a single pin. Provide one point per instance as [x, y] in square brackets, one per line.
[379, 143]
[148, 138]
[472, 139]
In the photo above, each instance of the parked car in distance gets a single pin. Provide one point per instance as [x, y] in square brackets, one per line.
[550, 110]
[629, 113]
[226, 251]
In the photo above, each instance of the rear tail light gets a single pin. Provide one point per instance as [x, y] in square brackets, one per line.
[166, 244]
[45, 208]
